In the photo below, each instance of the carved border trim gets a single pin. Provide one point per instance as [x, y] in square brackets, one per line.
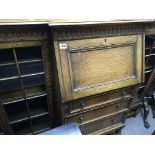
[96, 31]
[22, 35]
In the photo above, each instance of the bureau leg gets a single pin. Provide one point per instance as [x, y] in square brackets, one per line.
[119, 132]
[146, 112]
[136, 112]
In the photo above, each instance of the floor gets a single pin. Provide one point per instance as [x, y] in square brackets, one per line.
[135, 126]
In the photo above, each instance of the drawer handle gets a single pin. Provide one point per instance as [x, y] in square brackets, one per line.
[124, 93]
[117, 106]
[81, 118]
[82, 104]
[113, 121]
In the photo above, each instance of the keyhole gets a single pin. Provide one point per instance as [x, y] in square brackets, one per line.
[105, 40]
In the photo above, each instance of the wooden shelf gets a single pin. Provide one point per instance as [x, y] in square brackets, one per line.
[36, 91]
[42, 130]
[23, 89]
[33, 80]
[149, 55]
[16, 96]
[142, 87]
[22, 128]
[148, 67]
[148, 71]
[22, 117]
[29, 61]
[31, 68]
[40, 124]
[18, 112]
[9, 63]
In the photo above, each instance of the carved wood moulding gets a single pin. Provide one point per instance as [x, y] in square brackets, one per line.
[21, 35]
[71, 33]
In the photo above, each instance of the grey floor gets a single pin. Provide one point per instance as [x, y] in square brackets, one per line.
[135, 126]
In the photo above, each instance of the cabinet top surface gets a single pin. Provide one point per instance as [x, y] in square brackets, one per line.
[62, 22]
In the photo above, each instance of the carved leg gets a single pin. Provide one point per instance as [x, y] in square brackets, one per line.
[146, 112]
[136, 112]
[119, 132]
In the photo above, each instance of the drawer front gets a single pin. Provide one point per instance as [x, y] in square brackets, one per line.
[92, 66]
[100, 111]
[101, 99]
[101, 124]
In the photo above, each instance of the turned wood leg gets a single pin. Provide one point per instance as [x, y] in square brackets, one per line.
[136, 112]
[146, 112]
[119, 132]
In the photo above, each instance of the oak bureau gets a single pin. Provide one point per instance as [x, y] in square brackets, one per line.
[98, 69]
[54, 73]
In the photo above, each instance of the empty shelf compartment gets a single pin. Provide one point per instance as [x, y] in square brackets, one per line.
[40, 123]
[16, 112]
[7, 71]
[10, 84]
[22, 128]
[33, 80]
[35, 91]
[6, 56]
[38, 106]
[11, 96]
[28, 53]
[31, 68]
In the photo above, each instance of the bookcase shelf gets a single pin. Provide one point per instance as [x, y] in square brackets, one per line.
[23, 91]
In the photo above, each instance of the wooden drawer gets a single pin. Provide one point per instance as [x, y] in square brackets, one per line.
[100, 111]
[97, 100]
[102, 123]
[97, 65]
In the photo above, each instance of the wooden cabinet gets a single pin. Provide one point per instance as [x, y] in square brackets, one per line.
[54, 74]
[25, 83]
[97, 76]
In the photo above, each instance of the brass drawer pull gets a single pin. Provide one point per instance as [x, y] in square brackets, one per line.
[117, 106]
[124, 93]
[81, 118]
[113, 120]
[82, 104]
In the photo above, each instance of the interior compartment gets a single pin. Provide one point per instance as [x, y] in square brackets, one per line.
[10, 85]
[30, 81]
[35, 91]
[151, 60]
[22, 128]
[38, 105]
[40, 123]
[30, 68]
[149, 40]
[6, 56]
[28, 53]
[8, 71]
[16, 111]
[11, 96]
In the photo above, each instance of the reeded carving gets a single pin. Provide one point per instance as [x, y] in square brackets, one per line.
[97, 31]
[19, 35]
